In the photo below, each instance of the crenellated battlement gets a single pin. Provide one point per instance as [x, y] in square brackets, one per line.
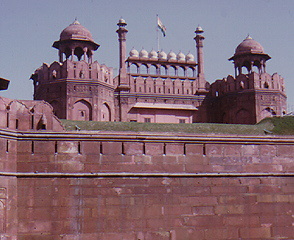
[73, 70]
[251, 81]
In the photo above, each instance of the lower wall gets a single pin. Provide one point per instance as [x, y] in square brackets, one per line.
[156, 208]
[199, 187]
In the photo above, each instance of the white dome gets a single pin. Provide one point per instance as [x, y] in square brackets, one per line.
[199, 30]
[181, 56]
[153, 54]
[122, 21]
[171, 56]
[162, 55]
[143, 53]
[134, 53]
[189, 57]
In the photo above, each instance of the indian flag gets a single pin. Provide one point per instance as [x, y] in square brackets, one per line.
[161, 26]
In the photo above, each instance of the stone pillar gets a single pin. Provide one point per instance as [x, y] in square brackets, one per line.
[123, 81]
[72, 54]
[200, 57]
[60, 56]
[122, 32]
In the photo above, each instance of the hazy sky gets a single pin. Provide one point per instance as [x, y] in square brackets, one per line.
[29, 27]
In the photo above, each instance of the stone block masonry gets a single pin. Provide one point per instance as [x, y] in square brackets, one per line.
[147, 186]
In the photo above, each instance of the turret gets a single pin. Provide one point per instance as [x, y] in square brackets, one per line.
[249, 54]
[76, 40]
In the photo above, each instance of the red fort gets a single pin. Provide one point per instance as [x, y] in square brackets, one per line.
[57, 184]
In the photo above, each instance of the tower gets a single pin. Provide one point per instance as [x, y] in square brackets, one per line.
[252, 94]
[76, 87]
[200, 58]
[122, 87]
[249, 54]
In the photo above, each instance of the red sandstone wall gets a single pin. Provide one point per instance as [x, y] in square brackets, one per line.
[150, 208]
[156, 208]
[8, 189]
[90, 155]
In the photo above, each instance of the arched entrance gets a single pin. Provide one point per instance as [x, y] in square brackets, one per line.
[105, 113]
[82, 111]
[267, 112]
[243, 117]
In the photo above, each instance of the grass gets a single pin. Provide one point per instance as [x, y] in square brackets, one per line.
[275, 125]
[281, 125]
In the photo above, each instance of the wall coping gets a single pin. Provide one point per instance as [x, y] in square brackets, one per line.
[144, 137]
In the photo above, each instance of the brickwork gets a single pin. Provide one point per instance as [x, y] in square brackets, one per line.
[156, 208]
[179, 207]
[126, 156]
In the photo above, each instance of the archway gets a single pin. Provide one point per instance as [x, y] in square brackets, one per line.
[267, 112]
[56, 108]
[105, 113]
[82, 111]
[243, 117]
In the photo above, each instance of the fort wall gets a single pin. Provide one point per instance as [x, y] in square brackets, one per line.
[126, 185]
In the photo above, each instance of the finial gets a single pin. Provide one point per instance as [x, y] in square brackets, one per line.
[249, 37]
[199, 30]
[76, 22]
[121, 22]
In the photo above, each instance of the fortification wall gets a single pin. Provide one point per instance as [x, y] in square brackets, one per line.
[103, 185]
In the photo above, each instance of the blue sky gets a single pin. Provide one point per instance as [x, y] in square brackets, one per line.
[29, 27]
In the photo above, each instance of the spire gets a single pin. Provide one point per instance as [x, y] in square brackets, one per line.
[76, 22]
[122, 32]
[200, 57]
[248, 37]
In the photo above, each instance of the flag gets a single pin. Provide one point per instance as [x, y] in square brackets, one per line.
[161, 26]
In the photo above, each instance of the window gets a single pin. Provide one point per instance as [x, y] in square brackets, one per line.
[133, 120]
[83, 113]
[147, 120]
[182, 120]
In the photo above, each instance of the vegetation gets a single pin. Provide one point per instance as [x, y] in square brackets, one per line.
[275, 125]
[281, 125]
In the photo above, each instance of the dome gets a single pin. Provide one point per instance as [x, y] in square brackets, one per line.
[143, 53]
[249, 46]
[171, 56]
[199, 30]
[189, 57]
[181, 56]
[153, 54]
[76, 31]
[162, 55]
[134, 53]
[121, 21]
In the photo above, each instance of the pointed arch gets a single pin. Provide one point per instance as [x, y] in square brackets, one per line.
[82, 111]
[56, 108]
[243, 116]
[105, 113]
[267, 112]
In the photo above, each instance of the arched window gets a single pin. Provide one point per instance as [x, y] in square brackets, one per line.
[173, 71]
[105, 113]
[82, 111]
[181, 72]
[67, 52]
[265, 85]
[163, 70]
[143, 69]
[133, 68]
[153, 70]
[190, 72]
[242, 86]
[79, 52]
